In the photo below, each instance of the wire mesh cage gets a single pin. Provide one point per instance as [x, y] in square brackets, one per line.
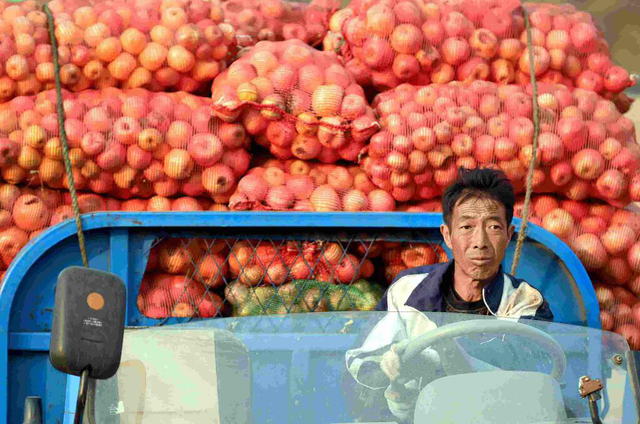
[249, 274]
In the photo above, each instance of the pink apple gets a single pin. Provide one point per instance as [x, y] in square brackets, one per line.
[551, 147]
[561, 174]
[588, 164]
[93, 143]
[205, 149]
[611, 184]
[126, 130]
[112, 158]
[9, 152]
[584, 37]
[573, 133]
[137, 158]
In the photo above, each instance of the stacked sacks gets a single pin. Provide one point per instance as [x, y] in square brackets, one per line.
[131, 143]
[296, 185]
[586, 149]
[181, 273]
[27, 212]
[296, 102]
[441, 41]
[278, 20]
[160, 45]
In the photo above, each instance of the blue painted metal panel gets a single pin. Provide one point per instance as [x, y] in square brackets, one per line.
[118, 242]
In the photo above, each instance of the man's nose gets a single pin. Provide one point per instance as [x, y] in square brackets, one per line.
[480, 239]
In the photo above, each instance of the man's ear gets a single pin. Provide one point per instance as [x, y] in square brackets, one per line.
[510, 231]
[446, 233]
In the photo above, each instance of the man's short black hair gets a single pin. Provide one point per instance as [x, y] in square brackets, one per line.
[479, 183]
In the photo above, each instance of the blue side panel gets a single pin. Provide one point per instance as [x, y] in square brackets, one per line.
[266, 405]
[329, 366]
[24, 366]
[33, 304]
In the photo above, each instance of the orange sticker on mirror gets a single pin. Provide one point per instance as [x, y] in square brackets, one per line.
[95, 301]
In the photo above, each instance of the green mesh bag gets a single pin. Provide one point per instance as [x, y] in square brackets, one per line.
[303, 296]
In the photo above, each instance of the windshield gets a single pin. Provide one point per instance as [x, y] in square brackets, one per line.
[326, 368]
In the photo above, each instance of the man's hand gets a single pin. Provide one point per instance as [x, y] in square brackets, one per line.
[390, 362]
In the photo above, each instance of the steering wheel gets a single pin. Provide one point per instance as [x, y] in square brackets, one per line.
[448, 333]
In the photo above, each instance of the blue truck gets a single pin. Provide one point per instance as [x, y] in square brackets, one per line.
[291, 368]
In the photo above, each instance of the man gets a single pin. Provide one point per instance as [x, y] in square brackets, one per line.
[477, 212]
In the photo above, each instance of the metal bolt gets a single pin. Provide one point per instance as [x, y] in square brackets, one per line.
[617, 359]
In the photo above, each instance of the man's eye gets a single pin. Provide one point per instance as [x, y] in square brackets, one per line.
[465, 227]
[496, 227]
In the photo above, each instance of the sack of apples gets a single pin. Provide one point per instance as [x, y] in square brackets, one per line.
[607, 241]
[439, 41]
[397, 257]
[160, 45]
[278, 20]
[26, 212]
[586, 148]
[131, 143]
[165, 295]
[255, 263]
[296, 185]
[296, 102]
[620, 312]
[24, 45]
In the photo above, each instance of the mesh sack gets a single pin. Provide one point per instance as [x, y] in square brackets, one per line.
[278, 20]
[255, 263]
[439, 41]
[586, 148]
[26, 212]
[131, 143]
[607, 241]
[296, 102]
[160, 45]
[619, 312]
[303, 296]
[296, 185]
[397, 257]
[24, 44]
[164, 295]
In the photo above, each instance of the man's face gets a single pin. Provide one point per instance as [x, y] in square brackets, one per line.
[478, 236]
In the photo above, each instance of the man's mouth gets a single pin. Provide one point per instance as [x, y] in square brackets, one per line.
[481, 261]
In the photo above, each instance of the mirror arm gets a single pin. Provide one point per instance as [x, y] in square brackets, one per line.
[82, 396]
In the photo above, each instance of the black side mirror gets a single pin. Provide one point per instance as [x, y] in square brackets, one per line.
[88, 326]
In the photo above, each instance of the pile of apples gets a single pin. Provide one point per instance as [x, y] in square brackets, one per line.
[164, 295]
[296, 102]
[439, 41]
[255, 263]
[24, 35]
[161, 45]
[296, 185]
[278, 20]
[182, 276]
[125, 143]
[397, 257]
[586, 148]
